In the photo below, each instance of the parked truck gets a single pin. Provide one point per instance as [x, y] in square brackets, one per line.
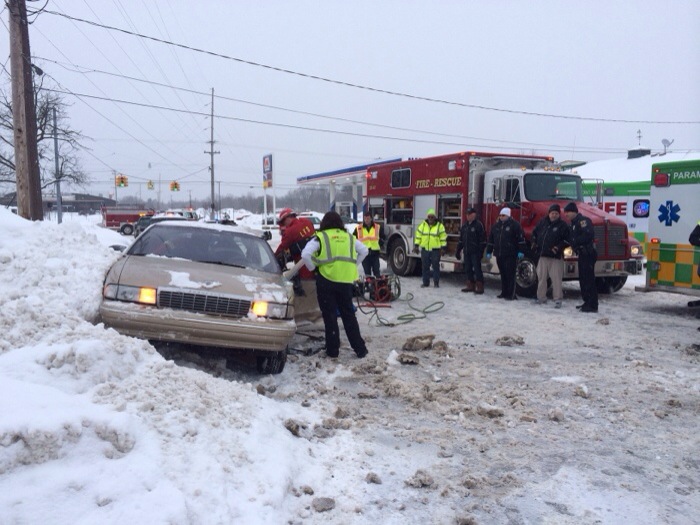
[400, 193]
[122, 218]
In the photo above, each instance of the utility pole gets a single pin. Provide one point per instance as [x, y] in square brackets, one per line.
[211, 153]
[29, 203]
[59, 202]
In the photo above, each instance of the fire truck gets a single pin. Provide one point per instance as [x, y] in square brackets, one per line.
[400, 193]
[675, 197]
[122, 218]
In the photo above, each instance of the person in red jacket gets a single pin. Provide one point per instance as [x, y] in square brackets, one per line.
[295, 233]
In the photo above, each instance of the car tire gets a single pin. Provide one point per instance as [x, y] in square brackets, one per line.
[271, 363]
[127, 229]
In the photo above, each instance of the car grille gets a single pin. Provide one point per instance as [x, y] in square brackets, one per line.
[615, 247]
[203, 303]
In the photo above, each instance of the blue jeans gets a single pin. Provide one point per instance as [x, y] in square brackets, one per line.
[430, 258]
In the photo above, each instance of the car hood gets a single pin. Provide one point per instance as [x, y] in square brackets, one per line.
[164, 272]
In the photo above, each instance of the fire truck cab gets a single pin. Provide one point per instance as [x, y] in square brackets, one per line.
[400, 193]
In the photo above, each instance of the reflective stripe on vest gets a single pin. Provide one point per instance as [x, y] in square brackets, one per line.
[336, 259]
[370, 238]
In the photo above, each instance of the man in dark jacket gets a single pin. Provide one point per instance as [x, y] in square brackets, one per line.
[507, 243]
[694, 239]
[549, 238]
[472, 240]
[582, 242]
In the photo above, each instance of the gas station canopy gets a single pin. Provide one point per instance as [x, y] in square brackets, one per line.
[344, 176]
[354, 176]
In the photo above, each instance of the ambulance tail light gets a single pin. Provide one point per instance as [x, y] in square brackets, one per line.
[655, 240]
[661, 180]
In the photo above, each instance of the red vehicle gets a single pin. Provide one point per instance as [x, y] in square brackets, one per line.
[400, 193]
[122, 218]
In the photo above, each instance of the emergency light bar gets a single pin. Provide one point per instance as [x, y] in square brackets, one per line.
[661, 180]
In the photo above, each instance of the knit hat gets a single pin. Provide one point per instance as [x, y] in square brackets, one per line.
[554, 207]
[571, 207]
[505, 211]
[430, 212]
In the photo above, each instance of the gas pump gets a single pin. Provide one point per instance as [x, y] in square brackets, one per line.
[347, 211]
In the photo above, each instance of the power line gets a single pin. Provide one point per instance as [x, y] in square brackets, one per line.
[85, 70]
[320, 130]
[368, 88]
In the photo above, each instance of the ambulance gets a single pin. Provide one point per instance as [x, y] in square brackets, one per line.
[675, 211]
[628, 201]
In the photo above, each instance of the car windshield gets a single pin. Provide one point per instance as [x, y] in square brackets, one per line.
[549, 185]
[206, 245]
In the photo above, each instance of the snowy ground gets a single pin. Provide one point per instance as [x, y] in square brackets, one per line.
[571, 419]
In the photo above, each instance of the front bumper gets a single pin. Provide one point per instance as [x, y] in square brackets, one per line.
[165, 324]
[604, 268]
[634, 266]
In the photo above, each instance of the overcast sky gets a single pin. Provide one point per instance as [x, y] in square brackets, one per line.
[600, 70]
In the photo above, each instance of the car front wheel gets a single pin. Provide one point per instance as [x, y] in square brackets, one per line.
[271, 363]
[127, 229]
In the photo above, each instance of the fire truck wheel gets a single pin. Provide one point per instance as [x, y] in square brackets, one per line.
[608, 285]
[526, 278]
[401, 264]
[127, 229]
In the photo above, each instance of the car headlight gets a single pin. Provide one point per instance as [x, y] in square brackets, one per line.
[637, 250]
[265, 309]
[568, 251]
[132, 294]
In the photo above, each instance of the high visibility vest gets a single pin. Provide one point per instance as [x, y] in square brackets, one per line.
[430, 238]
[337, 259]
[369, 238]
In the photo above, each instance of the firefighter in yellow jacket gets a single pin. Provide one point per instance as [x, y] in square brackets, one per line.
[336, 253]
[431, 240]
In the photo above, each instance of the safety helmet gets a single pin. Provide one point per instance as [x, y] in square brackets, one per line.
[284, 213]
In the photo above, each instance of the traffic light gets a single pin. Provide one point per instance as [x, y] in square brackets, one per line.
[122, 181]
[150, 185]
[174, 186]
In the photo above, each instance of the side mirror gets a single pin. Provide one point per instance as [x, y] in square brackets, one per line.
[118, 247]
[266, 235]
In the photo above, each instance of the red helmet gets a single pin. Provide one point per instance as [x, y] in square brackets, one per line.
[284, 213]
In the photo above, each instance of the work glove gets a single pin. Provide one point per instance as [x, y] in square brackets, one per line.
[416, 249]
[442, 252]
[520, 255]
[488, 256]
[458, 255]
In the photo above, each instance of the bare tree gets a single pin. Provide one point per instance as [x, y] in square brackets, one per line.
[69, 140]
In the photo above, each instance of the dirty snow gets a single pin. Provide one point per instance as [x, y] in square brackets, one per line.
[580, 418]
